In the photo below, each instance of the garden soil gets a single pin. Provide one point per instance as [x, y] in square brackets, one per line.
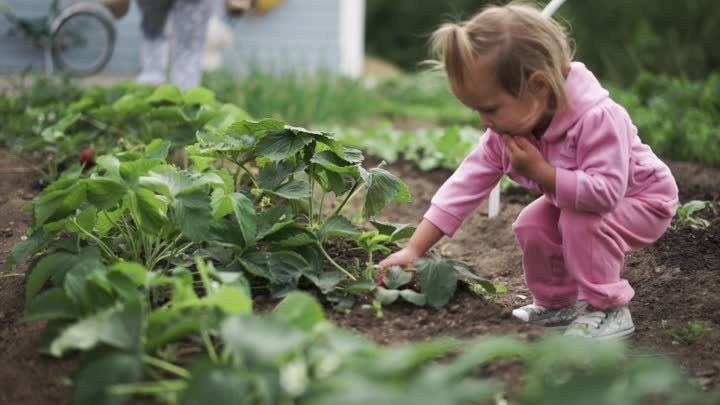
[676, 280]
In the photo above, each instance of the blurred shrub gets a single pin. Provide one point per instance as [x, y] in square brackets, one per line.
[617, 39]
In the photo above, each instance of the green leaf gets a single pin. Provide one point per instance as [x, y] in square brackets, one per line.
[221, 203]
[134, 271]
[119, 327]
[216, 384]
[413, 297]
[273, 219]
[24, 249]
[168, 325]
[58, 204]
[247, 127]
[279, 145]
[157, 149]
[395, 277]
[193, 214]
[94, 379]
[300, 310]
[104, 193]
[386, 296]
[41, 272]
[467, 273]
[326, 281]
[334, 163]
[264, 339]
[106, 221]
[438, 282]
[245, 216]
[199, 95]
[283, 268]
[361, 287]
[174, 184]
[340, 227]
[51, 304]
[293, 190]
[147, 210]
[397, 232]
[166, 93]
[85, 220]
[231, 300]
[129, 104]
[274, 173]
[384, 189]
[290, 236]
[77, 278]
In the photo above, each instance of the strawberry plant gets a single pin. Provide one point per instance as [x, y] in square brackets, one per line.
[686, 214]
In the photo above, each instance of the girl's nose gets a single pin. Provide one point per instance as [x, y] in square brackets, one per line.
[487, 122]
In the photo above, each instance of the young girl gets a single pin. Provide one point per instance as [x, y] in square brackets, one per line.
[551, 127]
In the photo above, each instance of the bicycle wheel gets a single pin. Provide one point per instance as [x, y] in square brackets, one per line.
[82, 39]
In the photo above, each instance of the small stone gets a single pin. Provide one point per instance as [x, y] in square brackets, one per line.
[521, 297]
[7, 232]
[709, 372]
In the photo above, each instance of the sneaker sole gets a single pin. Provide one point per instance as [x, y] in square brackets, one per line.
[621, 335]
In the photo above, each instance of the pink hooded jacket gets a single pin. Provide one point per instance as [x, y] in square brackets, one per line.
[594, 147]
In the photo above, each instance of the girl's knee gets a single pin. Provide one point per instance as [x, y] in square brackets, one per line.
[571, 220]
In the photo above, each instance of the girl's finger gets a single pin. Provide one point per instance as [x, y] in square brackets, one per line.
[510, 144]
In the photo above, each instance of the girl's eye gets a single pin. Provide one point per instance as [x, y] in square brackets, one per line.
[487, 111]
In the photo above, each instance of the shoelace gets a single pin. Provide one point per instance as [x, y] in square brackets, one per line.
[593, 319]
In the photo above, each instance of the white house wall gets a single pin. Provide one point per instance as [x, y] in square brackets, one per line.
[299, 35]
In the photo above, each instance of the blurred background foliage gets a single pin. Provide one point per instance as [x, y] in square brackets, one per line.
[617, 39]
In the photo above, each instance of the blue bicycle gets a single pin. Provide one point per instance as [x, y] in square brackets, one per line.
[78, 39]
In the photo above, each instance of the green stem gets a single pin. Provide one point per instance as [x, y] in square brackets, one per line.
[322, 202]
[209, 346]
[167, 366]
[252, 178]
[97, 240]
[334, 263]
[311, 199]
[236, 179]
[356, 188]
[157, 387]
[12, 275]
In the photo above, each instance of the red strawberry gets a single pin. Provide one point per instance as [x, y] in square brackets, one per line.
[87, 157]
[380, 279]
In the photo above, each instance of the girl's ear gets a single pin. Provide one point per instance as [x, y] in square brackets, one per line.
[538, 85]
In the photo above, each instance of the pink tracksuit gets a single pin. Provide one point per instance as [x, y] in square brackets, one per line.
[612, 195]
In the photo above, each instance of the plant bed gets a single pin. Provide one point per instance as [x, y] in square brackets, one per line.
[679, 297]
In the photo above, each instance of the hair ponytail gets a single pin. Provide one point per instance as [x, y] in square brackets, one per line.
[453, 50]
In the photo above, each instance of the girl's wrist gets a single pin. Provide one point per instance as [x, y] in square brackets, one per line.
[545, 177]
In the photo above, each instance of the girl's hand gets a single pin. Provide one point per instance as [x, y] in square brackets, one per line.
[402, 258]
[524, 156]
[528, 162]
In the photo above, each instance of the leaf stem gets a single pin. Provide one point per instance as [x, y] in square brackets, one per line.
[167, 366]
[97, 240]
[334, 263]
[356, 188]
[157, 387]
[311, 199]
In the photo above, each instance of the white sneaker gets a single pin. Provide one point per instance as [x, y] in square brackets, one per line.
[603, 324]
[550, 318]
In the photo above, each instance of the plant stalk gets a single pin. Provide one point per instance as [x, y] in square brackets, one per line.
[166, 366]
[334, 263]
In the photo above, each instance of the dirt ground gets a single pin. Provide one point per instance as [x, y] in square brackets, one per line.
[676, 282]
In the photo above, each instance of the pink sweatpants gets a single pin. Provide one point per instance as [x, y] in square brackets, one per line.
[574, 255]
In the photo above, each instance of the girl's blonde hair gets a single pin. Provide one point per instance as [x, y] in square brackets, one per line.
[518, 36]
